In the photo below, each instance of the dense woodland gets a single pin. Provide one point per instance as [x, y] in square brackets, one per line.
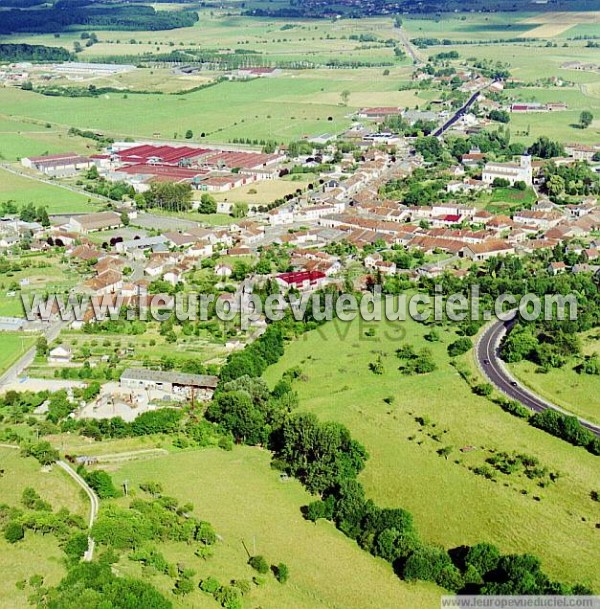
[67, 13]
[33, 52]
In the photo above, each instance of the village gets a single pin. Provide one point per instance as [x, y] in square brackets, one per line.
[350, 217]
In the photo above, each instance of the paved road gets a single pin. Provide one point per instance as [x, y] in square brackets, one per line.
[458, 114]
[492, 366]
[94, 505]
[51, 333]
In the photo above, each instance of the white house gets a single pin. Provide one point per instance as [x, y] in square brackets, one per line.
[223, 270]
[60, 355]
[280, 216]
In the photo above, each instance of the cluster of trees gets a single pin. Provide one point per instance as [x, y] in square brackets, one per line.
[112, 190]
[534, 343]
[33, 52]
[101, 588]
[170, 196]
[414, 362]
[545, 148]
[397, 124]
[255, 358]
[501, 116]
[161, 421]
[567, 428]
[573, 179]
[31, 213]
[39, 517]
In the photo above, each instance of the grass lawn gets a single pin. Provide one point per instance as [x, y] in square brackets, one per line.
[13, 346]
[36, 553]
[451, 505]
[506, 200]
[57, 200]
[264, 192]
[245, 501]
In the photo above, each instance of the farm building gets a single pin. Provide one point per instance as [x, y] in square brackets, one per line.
[246, 73]
[488, 249]
[379, 112]
[68, 162]
[200, 386]
[80, 69]
[87, 223]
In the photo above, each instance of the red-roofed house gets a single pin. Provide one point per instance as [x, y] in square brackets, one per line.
[301, 280]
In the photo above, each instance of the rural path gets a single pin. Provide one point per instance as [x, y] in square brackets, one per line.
[94, 501]
[94, 505]
[488, 360]
[409, 47]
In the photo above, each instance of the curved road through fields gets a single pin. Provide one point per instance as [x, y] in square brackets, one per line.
[493, 367]
[94, 505]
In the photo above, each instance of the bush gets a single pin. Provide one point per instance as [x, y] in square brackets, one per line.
[210, 585]
[282, 573]
[460, 346]
[515, 408]
[259, 564]
[14, 532]
[483, 389]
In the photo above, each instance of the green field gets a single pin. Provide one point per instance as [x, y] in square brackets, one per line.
[245, 500]
[577, 393]
[25, 190]
[38, 273]
[284, 108]
[13, 346]
[289, 40]
[451, 505]
[37, 554]
[21, 137]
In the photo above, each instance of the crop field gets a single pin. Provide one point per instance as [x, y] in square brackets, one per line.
[155, 79]
[577, 393]
[550, 25]
[149, 345]
[23, 190]
[37, 553]
[561, 126]
[451, 505]
[489, 27]
[246, 501]
[13, 346]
